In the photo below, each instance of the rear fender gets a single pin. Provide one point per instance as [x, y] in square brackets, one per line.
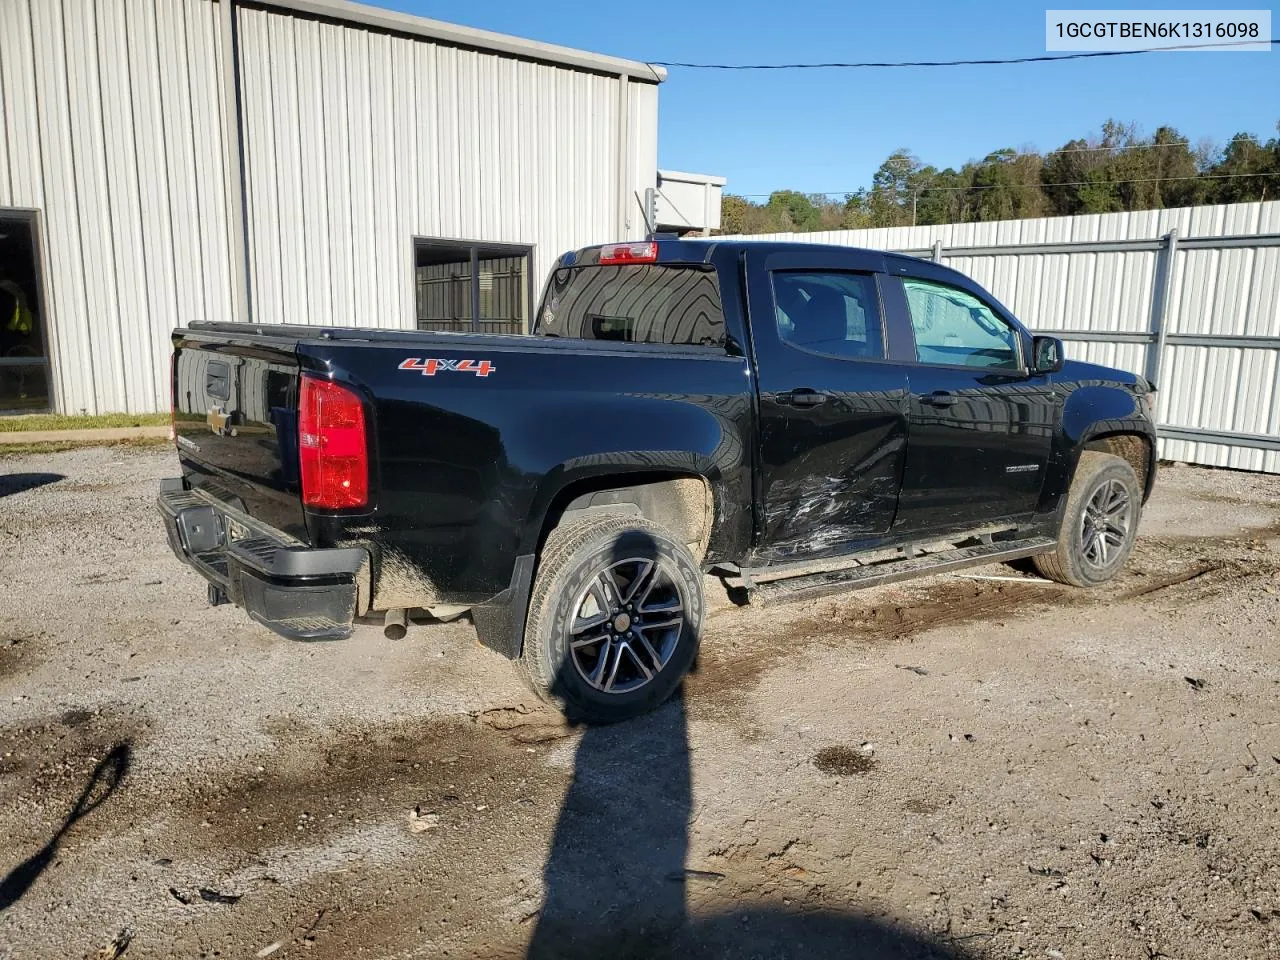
[713, 452]
[658, 485]
[668, 488]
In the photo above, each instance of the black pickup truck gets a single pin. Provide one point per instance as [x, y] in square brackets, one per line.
[793, 418]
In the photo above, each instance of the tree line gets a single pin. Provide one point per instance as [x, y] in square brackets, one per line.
[1117, 170]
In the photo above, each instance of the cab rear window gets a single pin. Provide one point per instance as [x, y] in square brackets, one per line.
[634, 303]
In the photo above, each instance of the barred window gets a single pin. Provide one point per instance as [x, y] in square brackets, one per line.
[463, 286]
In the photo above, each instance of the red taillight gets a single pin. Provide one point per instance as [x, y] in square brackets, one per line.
[616, 253]
[332, 451]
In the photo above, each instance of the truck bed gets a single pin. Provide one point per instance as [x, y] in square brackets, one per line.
[463, 463]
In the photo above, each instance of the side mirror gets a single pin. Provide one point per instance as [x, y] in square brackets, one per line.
[1048, 353]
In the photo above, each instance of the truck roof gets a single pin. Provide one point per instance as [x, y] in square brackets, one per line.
[702, 249]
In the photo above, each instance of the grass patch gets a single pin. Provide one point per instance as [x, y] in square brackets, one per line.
[61, 421]
[8, 450]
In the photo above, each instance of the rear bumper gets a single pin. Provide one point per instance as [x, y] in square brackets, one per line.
[299, 592]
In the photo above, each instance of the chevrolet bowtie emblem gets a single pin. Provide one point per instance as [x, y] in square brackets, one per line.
[217, 421]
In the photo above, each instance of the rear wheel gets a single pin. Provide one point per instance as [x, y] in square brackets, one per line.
[1099, 523]
[614, 618]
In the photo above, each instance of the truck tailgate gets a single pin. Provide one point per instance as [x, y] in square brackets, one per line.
[235, 419]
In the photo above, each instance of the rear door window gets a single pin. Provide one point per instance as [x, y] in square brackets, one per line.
[837, 314]
[635, 303]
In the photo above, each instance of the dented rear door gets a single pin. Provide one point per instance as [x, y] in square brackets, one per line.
[832, 413]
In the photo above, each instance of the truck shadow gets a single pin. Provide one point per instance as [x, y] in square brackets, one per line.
[106, 778]
[615, 882]
[19, 482]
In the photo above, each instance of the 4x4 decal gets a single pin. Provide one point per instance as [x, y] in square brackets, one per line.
[432, 365]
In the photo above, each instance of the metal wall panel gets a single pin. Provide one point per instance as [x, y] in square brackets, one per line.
[112, 129]
[688, 201]
[1226, 388]
[643, 98]
[357, 141]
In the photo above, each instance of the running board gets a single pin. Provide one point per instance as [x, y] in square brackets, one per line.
[890, 571]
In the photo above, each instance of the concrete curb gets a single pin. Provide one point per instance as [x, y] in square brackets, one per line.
[101, 435]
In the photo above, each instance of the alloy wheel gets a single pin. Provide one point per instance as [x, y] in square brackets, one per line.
[626, 624]
[1104, 529]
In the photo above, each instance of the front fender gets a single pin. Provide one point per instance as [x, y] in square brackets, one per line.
[1095, 410]
[1090, 411]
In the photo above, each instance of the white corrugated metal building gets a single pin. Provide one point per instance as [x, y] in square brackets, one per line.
[313, 161]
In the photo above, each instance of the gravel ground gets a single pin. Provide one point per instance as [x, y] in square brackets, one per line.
[954, 767]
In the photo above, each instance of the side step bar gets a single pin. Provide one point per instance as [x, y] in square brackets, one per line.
[890, 571]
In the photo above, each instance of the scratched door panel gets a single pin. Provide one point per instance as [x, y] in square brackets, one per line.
[833, 420]
[830, 474]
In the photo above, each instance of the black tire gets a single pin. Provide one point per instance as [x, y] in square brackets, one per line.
[1105, 501]
[579, 560]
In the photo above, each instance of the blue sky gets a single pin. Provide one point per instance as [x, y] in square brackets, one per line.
[828, 130]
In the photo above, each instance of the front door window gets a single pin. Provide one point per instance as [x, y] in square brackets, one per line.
[955, 328]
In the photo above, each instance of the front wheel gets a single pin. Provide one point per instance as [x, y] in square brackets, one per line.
[614, 618]
[1099, 523]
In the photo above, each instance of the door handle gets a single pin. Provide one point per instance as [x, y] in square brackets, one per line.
[803, 397]
[939, 398]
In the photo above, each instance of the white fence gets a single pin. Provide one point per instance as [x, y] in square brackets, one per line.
[1189, 297]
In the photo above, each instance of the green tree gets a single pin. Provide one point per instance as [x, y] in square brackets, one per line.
[1064, 170]
[1117, 169]
[736, 213]
[1155, 172]
[797, 211]
[1247, 171]
[1098, 193]
[854, 212]
[1006, 186]
[894, 188]
[945, 197]
[1176, 165]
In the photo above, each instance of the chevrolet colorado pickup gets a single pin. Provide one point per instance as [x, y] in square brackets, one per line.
[793, 418]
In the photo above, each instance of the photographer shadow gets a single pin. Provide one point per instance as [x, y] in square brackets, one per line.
[105, 779]
[615, 879]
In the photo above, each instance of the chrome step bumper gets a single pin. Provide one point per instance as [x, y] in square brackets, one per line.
[299, 592]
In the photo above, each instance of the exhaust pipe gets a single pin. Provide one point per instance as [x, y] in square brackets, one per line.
[397, 624]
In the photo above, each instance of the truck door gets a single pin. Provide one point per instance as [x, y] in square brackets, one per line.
[981, 425]
[833, 418]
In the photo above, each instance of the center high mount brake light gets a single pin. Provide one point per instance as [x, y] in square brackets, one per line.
[619, 253]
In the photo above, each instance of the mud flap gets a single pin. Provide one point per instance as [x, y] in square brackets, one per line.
[500, 622]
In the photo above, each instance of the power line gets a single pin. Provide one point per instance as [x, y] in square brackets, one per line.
[1043, 58]
[997, 186]
[1137, 146]
[1083, 183]
[899, 158]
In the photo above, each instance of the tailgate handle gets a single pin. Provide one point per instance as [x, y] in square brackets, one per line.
[804, 397]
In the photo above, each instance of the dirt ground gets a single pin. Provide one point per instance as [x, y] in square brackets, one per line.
[954, 767]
